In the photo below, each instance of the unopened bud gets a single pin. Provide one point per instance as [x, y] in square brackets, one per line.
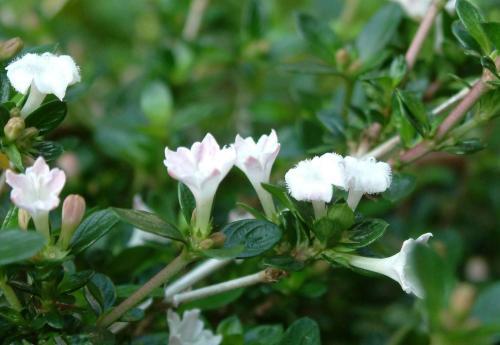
[218, 239]
[72, 214]
[29, 133]
[355, 67]
[342, 58]
[462, 299]
[10, 48]
[14, 112]
[14, 128]
[23, 218]
[206, 244]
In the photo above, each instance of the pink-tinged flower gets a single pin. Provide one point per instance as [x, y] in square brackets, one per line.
[42, 74]
[256, 161]
[37, 191]
[397, 267]
[201, 169]
[189, 330]
[365, 176]
[313, 180]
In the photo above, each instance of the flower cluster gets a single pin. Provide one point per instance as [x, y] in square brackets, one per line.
[313, 180]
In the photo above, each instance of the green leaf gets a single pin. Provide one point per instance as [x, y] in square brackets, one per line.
[224, 253]
[378, 32]
[149, 222]
[472, 20]
[327, 231]
[217, 301]
[310, 68]
[281, 195]
[304, 331]
[435, 277]
[487, 306]
[414, 110]
[14, 156]
[465, 147]
[186, 201]
[465, 39]
[365, 233]
[74, 281]
[100, 293]
[492, 30]
[50, 150]
[252, 19]
[47, 117]
[318, 35]
[157, 103]
[256, 236]
[398, 70]
[93, 228]
[286, 263]
[231, 330]
[4, 87]
[402, 185]
[18, 245]
[4, 118]
[332, 121]
[342, 216]
[254, 212]
[264, 335]
[11, 219]
[489, 64]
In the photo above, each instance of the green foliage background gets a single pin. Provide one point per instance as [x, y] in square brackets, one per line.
[144, 87]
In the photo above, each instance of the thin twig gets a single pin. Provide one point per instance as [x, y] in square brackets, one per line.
[268, 275]
[422, 32]
[193, 21]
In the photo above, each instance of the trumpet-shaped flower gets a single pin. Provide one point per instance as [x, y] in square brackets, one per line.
[189, 330]
[256, 161]
[201, 169]
[313, 180]
[42, 74]
[364, 176]
[418, 8]
[37, 191]
[397, 267]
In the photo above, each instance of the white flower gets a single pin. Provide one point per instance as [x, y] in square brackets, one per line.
[201, 169]
[313, 180]
[37, 191]
[256, 161]
[365, 176]
[190, 330]
[418, 8]
[397, 267]
[42, 74]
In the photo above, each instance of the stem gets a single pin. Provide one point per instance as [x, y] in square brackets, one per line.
[203, 211]
[160, 278]
[268, 275]
[422, 32]
[10, 295]
[41, 221]
[193, 21]
[319, 208]
[35, 98]
[197, 274]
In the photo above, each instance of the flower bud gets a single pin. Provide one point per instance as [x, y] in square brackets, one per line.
[342, 58]
[72, 214]
[15, 112]
[23, 218]
[10, 48]
[218, 239]
[14, 128]
[462, 299]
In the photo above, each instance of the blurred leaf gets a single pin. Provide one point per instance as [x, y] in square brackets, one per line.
[489, 64]
[327, 231]
[217, 301]
[332, 121]
[472, 20]
[50, 150]
[4, 118]
[280, 194]
[465, 147]
[487, 305]
[224, 253]
[4, 87]
[231, 331]
[414, 110]
[133, 315]
[157, 103]
[492, 30]
[47, 117]
[254, 212]
[100, 293]
[378, 32]
[186, 201]
[256, 236]
[402, 185]
[318, 35]
[286, 263]
[304, 331]
[310, 68]
[252, 19]
[465, 39]
[14, 156]
[364, 233]
[149, 222]
[264, 335]
[18, 245]
[11, 219]
[93, 228]
[398, 70]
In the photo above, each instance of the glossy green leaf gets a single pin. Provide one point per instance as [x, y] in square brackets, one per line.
[264, 335]
[149, 222]
[318, 35]
[472, 20]
[465, 147]
[47, 117]
[465, 39]
[18, 245]
[100, 293]
[93, 228]
[186, 201]
[74, 281]
[11, 219]
[256, 236]
[492, 30]
[304, 331]
[49, 150]
[414, 111]
[365, 233]
[487, 306]
[402, 185]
